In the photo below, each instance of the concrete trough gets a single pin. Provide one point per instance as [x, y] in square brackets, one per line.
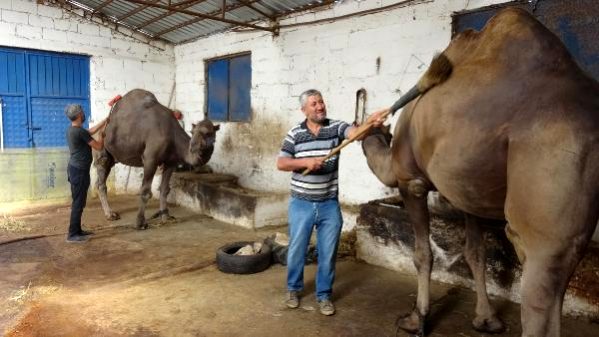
[219, 196]
[385, 238]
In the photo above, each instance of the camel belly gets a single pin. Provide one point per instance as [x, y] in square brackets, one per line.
[474, 181]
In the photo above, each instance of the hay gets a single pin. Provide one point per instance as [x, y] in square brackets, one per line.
[10, 224]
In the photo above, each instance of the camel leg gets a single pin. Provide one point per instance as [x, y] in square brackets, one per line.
[104, 163]
[145, 194]
[165, 188]
[545, 278]
[416, 206]
[486, 320]
[551, 207]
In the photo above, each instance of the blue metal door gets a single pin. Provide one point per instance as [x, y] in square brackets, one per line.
[35, 87]
[13, 99]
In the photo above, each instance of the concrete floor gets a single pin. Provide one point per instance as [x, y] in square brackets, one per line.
[164, 282]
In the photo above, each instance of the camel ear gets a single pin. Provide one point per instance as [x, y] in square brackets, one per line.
[193, 125]
[387, 128]
[217, 127]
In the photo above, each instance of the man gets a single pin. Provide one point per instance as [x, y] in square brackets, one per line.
[80, 145]
[314, 196]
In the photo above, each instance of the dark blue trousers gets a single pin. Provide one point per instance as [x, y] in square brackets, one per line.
[80, 180]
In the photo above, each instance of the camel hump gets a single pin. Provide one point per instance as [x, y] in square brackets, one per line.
[142, 98]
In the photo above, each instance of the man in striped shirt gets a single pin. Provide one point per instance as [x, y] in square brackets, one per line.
[314, 196]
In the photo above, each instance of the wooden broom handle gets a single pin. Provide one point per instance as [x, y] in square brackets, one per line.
[362, 129]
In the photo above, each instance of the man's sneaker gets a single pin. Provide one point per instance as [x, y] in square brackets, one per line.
[84, 232]
[326, 307]
[292, 300]
[76, 238]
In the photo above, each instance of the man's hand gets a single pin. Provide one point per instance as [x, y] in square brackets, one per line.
[378, 117]
[314, 164]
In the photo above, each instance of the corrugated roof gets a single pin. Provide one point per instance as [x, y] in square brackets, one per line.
[178, 21]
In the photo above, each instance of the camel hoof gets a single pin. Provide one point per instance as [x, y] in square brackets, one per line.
[490, 324]
[113, 216]
[412, 323]
[142, 227]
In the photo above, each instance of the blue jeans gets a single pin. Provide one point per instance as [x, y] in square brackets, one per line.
[303, 216]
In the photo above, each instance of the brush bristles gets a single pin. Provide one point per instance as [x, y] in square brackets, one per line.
[438, 72]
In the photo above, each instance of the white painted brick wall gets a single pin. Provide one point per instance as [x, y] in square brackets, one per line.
[338, 58]
[118, 63]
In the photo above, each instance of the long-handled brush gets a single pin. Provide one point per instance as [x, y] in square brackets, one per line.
[437, 73]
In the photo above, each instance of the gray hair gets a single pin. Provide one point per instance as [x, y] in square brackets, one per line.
[72, 111]
[308, 93]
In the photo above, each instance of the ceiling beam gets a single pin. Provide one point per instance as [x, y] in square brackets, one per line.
[249, 5]
[180, 5]
[201, 15]
[102, 5]
[192, 21]
[133, 12]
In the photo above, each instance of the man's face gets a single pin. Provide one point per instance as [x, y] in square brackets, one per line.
[315, 110]
[82, 116]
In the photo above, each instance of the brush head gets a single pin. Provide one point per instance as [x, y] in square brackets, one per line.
[437, 72]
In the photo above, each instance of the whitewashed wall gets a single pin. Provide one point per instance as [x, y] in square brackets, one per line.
[336, 57]
[119, 63]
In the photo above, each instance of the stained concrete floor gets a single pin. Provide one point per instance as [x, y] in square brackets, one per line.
[164, 282]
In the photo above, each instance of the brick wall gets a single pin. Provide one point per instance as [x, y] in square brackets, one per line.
[385, 53]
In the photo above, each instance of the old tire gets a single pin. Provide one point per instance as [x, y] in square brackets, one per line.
[242, 264]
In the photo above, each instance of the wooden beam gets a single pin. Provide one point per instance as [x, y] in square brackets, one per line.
[192, 21]
[201, 15]
[180, 5]
[133, 12]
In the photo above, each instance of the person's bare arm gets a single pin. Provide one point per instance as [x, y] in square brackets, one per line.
[94, 129]
[293, 164]
[97, 144]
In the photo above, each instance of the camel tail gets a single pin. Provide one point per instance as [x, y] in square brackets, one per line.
[437, 73]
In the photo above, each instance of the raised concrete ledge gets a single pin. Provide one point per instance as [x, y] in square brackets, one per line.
[385, 238]
[219, 196]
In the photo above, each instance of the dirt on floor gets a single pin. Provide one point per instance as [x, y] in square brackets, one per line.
[164, 282]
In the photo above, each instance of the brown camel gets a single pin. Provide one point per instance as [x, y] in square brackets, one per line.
[511, 134]
[143, 133]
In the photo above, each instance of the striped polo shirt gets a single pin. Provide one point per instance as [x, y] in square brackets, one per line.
[301, 143]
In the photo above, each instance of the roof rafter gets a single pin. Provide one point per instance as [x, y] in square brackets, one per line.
[181, 5]
[192, 21]
[202, 15]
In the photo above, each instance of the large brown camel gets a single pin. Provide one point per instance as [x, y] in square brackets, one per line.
[511, 134]
[143, 133]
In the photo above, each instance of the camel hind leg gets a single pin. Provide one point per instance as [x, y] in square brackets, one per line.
[474, 252]
[104, 162]
[552, 209]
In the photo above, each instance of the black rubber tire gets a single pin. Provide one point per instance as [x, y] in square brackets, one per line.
[242, 264]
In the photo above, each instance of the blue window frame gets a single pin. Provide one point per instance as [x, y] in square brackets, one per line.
[35, 87]
[229, 81]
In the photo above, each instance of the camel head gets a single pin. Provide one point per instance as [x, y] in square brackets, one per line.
[201, 145]
[377, 149]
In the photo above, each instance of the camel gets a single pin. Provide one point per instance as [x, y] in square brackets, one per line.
[143, 133]
[512, 134]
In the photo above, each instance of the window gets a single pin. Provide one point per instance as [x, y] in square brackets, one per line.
[229, 81]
